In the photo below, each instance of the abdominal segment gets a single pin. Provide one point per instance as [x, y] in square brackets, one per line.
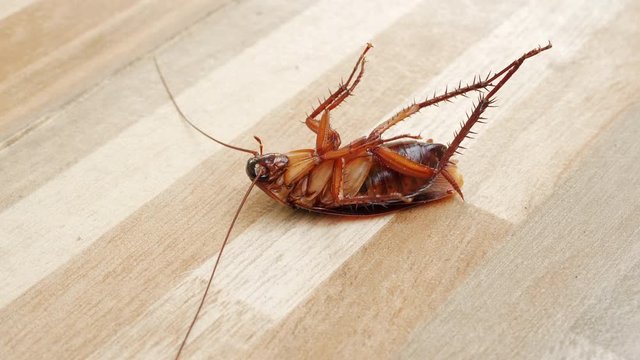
[385, 181]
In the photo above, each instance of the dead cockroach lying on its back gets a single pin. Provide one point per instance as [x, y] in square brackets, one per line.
[370, 175]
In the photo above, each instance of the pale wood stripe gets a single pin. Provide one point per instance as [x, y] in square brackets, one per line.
[147, 253]
[253, 287]
[612, 321]
[576, 347]
[7, 8]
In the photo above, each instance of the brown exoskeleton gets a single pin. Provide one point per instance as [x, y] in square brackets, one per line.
[370, 175]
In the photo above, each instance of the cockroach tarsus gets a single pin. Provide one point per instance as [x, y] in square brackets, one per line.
[368, 176]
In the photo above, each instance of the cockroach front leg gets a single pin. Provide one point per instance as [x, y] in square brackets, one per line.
[344, 90]
[327, 139]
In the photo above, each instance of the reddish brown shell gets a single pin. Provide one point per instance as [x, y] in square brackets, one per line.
[368, 186]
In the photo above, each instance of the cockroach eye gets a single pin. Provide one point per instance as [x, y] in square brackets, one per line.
[252, 165]
[255, 168]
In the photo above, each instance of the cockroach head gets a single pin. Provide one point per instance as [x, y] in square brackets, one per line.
[267, 167]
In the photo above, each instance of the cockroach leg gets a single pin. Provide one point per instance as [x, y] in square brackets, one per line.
[349, 91]
[452, 181]
[368, 199]
[327, 138]
[399, 137]
[360, 60]
[402, 164]
[337, 179]
[414, 108]
[477, 85]
[339, 95]
[408, 167]
[484, 102]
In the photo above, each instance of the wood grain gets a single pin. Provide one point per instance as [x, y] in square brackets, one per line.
[112, 210]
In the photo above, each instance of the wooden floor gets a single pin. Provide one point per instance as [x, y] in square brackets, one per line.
[112, 209]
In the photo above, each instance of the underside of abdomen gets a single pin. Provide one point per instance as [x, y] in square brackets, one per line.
[384, 190]
[384, 181]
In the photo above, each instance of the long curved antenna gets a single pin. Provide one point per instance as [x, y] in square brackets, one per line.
[215, 266]
[175, 104]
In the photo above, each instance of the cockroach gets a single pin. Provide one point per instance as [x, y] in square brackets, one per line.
[370, 175]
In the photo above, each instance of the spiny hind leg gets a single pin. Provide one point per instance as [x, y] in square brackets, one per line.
[344, 90]
[485, 102]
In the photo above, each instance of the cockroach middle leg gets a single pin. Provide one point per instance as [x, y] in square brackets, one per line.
[327, 139]
[414, 108]
[476, 85]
